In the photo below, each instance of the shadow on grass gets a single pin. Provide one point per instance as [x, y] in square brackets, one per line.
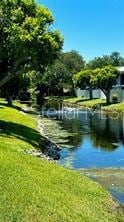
[13, 106]
[27, 134]
[106, 104]
[30, 112]
[83, 100]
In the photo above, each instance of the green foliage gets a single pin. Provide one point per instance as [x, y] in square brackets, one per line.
[73, 61]
[113, 59]
[99, 62]
[26, 38]
[104, 79]
[17, 87]
[116, 59]
[83, 79]
[55, 78]
[59, 76]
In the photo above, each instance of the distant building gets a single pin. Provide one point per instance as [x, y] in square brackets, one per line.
[117, 90]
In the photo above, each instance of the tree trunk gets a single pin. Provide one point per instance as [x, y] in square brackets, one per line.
[90, 93]
[73, 89]
[107, 97]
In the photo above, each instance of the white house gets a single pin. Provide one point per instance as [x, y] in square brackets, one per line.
[117, 89]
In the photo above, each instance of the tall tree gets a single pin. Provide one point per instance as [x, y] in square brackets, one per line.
[26, 38]
[74, 63]
[55, 78]
[104, 79]
[83, 80]
[114, 59]
[99, 62]
[59, 75]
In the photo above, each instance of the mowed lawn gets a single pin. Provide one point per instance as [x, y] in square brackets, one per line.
[34, 190]
[82, 102]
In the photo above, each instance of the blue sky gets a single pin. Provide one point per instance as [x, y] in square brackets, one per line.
[92, 27]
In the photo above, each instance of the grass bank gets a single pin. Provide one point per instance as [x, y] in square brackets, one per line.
[81, 102]
[119, 107]
[35, 190]
[84, 102]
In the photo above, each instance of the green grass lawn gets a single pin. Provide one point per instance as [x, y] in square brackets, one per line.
[34, 190]
[84, 102]
[119, 107]
[74, 100]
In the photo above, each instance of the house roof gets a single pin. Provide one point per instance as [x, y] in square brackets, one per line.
[120, 69]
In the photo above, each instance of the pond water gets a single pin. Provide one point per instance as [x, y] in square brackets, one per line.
[97, 141]
[95, 144]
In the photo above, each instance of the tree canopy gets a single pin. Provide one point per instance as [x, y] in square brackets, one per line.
[60, 74]
[83, 80]
[104, 79]
[26, 38]
[73, 61]
[55, 78]
[114, 59]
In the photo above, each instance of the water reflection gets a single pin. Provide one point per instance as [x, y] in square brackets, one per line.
[105, 133]
[97, 139]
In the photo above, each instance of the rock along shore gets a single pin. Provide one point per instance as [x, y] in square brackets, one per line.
[51, 150]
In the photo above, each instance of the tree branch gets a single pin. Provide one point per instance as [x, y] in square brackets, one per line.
[12, 73]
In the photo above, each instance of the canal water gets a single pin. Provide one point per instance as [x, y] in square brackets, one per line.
[95, 146]
[97, 141]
